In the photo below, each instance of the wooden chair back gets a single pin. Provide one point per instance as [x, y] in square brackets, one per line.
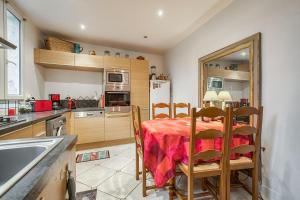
[182, 105]
[161, 115]
[210, 112]
[137, 127]
[248, 130]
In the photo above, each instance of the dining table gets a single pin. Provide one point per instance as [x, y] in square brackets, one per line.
[166, 142]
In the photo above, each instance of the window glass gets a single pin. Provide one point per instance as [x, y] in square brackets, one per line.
[13, 34]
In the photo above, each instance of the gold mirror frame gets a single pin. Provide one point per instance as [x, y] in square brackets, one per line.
[254, 44]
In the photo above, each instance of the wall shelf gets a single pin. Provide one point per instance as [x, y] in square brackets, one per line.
[229, 74]
[74, 61]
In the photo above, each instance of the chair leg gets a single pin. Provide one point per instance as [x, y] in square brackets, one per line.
[144, 180]
[223, 187]
[190, 187]
[137, 166]
[227, 185]
[255, 183]
[172, 188]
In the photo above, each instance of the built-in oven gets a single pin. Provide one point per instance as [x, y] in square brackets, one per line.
[117, 79]
[117, 101]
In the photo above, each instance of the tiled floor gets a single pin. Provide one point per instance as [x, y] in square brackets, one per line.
[114, 177]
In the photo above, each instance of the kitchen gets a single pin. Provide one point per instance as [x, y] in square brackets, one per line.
[132, 99]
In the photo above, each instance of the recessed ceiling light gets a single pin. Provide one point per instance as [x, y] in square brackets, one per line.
[145, 36]
[243, 53]
[82, 26]
[160, 13]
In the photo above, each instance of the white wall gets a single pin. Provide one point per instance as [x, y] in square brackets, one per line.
[279, 23]
[33, 75]
[73, 83]
[154, 59]
[79, 83]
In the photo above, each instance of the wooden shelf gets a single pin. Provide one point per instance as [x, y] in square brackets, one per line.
[73, 61]
[229, 74]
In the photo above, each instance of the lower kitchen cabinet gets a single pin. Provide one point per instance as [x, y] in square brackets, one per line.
[18, 134]
[39, 129]
[89, 130]
[117, 126]
[56, 187]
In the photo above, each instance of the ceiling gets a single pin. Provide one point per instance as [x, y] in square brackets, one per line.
[122, 23]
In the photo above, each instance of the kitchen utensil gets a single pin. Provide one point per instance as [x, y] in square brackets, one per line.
[77, 48]
[92, 52]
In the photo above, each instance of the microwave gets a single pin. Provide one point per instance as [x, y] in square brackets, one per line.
[117, 77]
[215, 83]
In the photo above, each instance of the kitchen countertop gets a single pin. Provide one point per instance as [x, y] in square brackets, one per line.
[31, 185]
[35, 117]
[31, 118]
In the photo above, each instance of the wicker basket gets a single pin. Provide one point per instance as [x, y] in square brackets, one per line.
[56, 44]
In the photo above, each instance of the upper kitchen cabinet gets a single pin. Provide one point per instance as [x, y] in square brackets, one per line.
[116, 62]
[50, 58]
[89, 61]
[70, 61]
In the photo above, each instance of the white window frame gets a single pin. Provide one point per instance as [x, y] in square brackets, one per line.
[7, 6]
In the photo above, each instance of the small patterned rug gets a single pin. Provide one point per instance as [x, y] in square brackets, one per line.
[91, 156]
[87, 195]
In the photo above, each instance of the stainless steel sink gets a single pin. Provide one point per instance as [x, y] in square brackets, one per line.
[17, 157]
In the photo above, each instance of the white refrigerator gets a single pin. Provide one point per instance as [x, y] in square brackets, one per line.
[160, 92]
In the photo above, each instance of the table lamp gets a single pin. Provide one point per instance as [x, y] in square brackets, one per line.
[210, 96]
[224, 96]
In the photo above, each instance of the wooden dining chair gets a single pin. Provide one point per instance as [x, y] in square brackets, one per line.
[244, 162]
[161, 115]
[206, 169]
[182, 105]
[139, 144]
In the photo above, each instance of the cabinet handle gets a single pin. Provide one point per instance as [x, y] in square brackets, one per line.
[115, 116]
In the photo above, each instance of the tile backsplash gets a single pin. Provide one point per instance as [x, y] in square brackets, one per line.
[6, 104]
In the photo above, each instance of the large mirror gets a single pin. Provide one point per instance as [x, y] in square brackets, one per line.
[231, 75]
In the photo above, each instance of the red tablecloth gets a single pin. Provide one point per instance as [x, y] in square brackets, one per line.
[166, 141]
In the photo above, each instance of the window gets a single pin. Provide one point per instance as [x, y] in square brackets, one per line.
[13, 68]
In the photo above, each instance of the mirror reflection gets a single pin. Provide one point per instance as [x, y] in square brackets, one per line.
[227, 80]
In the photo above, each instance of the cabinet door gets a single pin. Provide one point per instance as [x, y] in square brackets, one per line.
[56, 187]
[92, 61]
[39, 129]
[117, 126]
[21, 133]
[117, 62]
[89, 130]
[43, 56]
[140, 83]
[69, 122]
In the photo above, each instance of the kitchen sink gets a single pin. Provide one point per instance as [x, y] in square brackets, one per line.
[17, 157]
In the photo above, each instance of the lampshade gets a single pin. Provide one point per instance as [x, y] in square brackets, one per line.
[210, 96]
[224, 96]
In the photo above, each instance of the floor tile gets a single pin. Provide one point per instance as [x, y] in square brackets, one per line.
[119, 185]
[130, 168]
[83, 167]
[116, 163]
[128, 153]
[104, 196]
[96, 175]
[81, 187]
[239, 194]
[158, 194]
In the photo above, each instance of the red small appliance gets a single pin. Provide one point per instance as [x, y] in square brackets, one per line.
[55, 98]
[42, 105]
